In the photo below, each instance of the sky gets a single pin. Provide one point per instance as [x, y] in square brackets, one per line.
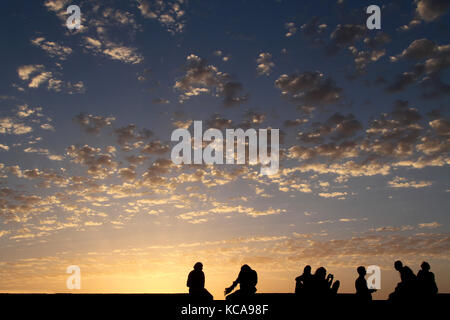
[86, 116]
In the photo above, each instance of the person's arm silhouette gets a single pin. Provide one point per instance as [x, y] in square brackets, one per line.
[235, 283]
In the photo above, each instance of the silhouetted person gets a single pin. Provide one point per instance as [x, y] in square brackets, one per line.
[425, 281]
[247, 280]
[303, 282]
[406, 288]
[196, 284]
[322, 286]
[363, 293]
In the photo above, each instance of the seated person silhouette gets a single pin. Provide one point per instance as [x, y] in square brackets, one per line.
[247, 280]
[196, 284]
[322, 285]
[303, 282]
[363, 293]
[426, 283]
[406, 288]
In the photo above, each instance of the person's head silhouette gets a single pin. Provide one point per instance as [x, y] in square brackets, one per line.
[425, 266]
[307, 269]
[398, 265]
[198, 266]
[361, 271]
[321, 273]
[245, 268]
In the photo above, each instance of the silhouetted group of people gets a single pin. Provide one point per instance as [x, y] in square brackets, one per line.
[247, 280]
[320, 286]
[414, 287]
[317, 286]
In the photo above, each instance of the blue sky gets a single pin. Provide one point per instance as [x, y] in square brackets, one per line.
[86, 117]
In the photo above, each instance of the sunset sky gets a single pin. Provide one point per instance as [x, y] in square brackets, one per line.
[86, 117]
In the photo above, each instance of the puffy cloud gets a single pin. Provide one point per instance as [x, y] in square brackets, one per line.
[441, 126]
[182, 123]
[170, 14]
[290, 26]
[52, 48]
[294, 123]
[255, 117]
[45, 76]
[378, 41]
[337, 127]
[39, 79]
[201, 78]
[436, 58]
[11, 126]
[264, 64]
[56, 5]
[25, 71]
[418, 50]
[399, 182]
[309, 87]
[313, 27]
[218, 122]
[429, 225]
[155, 147]
[430, 10]
[92, 124]
[346, 149]
[363, 58]
[411, 25]
[129, 134]
[113, 50]
[345, 35]
[98, 164]
[127, 173]
[122, 53]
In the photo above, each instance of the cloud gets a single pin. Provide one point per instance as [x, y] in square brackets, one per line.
[430, 10]
[337, 127]
[218, 122]
[170, 14]
[160, 101]
[429, 225]
[290, 26]
[39, 79]
[411, 25]
[434, 60]
[182, 124]
[93, 124]
[309, 88]
[264, 64]
[345, 35]
[155, 147]
[52, 48]
[127, 174]
[56, 5]
[363, 58]
[201, 78]
[10, 126]
[47, 126]
[294, 123]
[53, 84]
[441, 126]
[339, 195]
[399, 182]
[129, 134]
[98, 164]
[25, 71]
[313, 27]
[113, 50]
